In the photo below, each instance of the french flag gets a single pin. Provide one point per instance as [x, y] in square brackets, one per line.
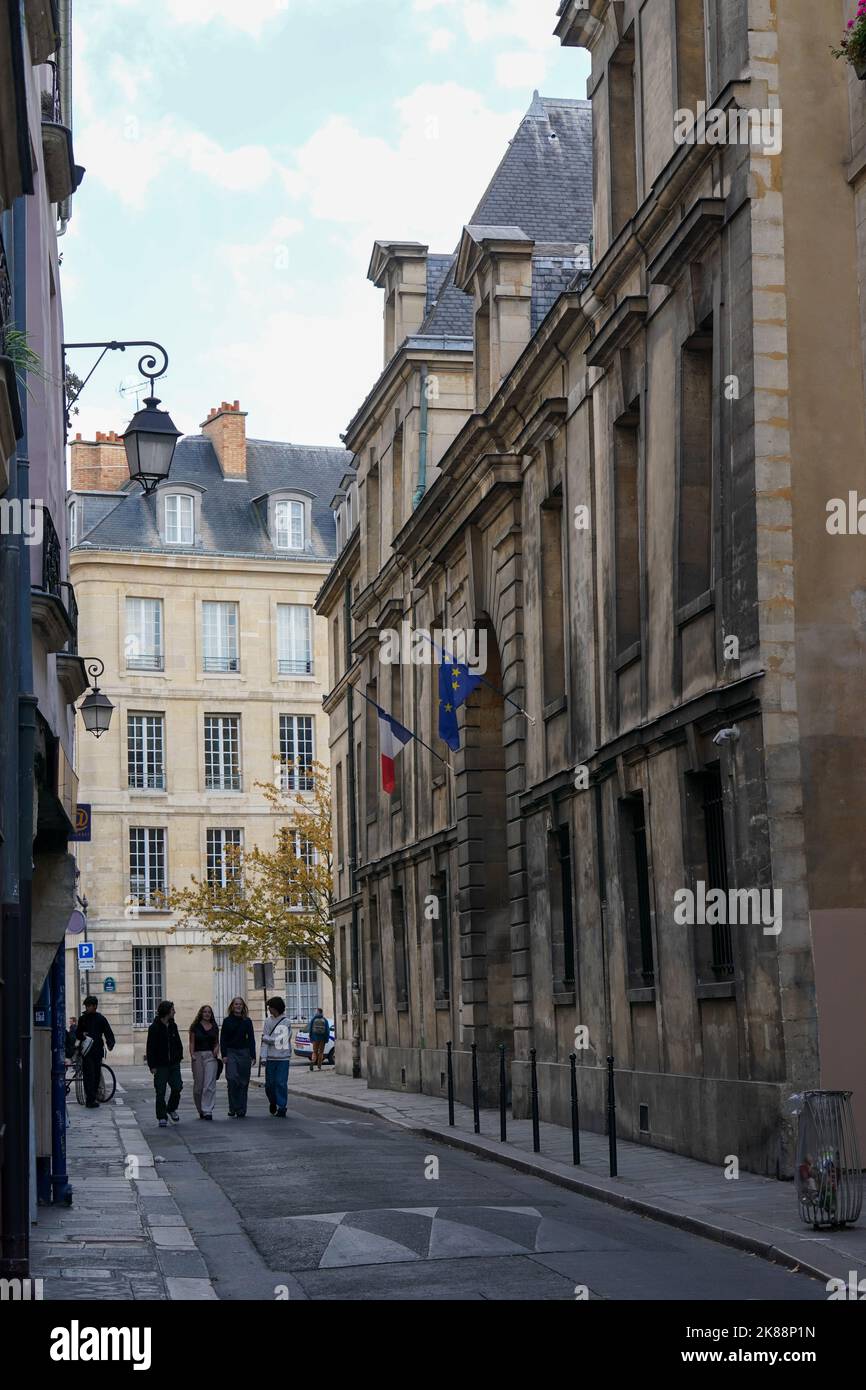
[392, 737]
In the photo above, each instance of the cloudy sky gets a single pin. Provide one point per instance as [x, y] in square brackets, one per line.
[243, 155]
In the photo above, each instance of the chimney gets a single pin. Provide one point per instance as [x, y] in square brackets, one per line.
[400, 269]
[225, 429]
[99, 465]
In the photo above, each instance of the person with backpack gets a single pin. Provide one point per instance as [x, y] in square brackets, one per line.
[164, 1056]
[319, 1032]
[92, 1025]
[238, 1047]
[277, 1054]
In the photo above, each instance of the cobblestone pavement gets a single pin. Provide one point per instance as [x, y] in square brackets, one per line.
[123, 1237]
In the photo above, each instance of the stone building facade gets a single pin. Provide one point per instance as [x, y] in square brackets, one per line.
[199, 599]
[622, 478]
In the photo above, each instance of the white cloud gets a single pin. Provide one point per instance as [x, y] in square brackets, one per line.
[251, 16]
[129, 78]
[441, 40]
[422, 184]
[520, 70]
[127, 156]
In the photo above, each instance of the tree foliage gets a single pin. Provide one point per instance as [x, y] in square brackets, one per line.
[277, 899]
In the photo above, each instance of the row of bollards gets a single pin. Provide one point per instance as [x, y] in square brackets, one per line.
[533, 1097]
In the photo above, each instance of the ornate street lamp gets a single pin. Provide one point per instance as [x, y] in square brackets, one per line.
[151, 435]
[96, 709]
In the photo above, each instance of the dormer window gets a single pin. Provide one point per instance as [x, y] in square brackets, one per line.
[289, 526]
[179, 519]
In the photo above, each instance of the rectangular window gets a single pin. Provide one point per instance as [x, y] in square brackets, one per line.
[372, 779]
[636, 886]
[223, 857]
[397, 482]
[401, 952]
[145, 741]
[375, 955]
[147, 984]
[623, 154]
[296, 752]
[717, 868]
[302, 987]
[696, 467]
[146, 866]
[179, 520]
[691, 53]
[552, 612]
[222, 752]
[143, 644]
[301, 899]
[371, 487]
[220, 636]
[441, 938]
[340, 817]
[627, 528]
[294, 639]
[289, 525]
[561, 908]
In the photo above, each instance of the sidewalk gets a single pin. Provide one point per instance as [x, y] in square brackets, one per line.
[751, 1213]
[123, 1237]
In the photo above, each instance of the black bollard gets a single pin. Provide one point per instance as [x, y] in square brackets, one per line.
[575, 1126]
[536, 1137]
[502, 1086]
[611, 1117]
[450, 1087]
[476, 1113]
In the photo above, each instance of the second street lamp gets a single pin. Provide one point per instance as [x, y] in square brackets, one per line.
[96, 709]
[151, 435]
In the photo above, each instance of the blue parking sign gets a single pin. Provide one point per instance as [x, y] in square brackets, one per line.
[86, 954]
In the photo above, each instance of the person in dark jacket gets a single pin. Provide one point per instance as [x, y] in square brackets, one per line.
[319, 1032]
[238, 1047]
[164, 1056]
[71, 1039]
[92, 1025]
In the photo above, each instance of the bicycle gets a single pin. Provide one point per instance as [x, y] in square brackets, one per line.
[75, 1076]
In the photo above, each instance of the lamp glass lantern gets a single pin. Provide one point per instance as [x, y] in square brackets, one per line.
[96, 709]
[150, 440]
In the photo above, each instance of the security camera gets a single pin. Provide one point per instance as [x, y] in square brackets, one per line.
[727, 735]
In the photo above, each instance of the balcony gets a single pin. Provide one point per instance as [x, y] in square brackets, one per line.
[146, 661]
[223, 665]
[62, 174]
[55, 611]
[295, 666]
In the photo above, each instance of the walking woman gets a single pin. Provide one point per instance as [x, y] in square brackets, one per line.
[204, 1046]
[238, 1047]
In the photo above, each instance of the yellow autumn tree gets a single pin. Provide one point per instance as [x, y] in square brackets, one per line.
[262, 903]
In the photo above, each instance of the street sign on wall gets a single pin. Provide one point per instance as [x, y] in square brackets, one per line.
[86, 955]
[109, 984]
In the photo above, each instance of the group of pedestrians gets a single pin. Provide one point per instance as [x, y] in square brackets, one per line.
[231, 1045]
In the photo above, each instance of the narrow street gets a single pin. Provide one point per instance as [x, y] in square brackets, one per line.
[332, 1206]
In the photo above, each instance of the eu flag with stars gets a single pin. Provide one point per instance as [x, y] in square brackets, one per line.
[456, 684]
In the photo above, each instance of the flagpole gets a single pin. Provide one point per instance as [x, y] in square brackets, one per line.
[475, 676]
[417, 737]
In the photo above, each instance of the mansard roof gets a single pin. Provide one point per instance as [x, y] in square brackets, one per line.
[231, 522]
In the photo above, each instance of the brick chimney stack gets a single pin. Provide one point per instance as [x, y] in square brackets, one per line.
[226, 429]
[99, 465]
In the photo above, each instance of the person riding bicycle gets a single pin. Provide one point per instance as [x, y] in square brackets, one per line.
[94, 1026]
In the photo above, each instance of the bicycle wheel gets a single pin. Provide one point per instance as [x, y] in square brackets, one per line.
[107, 1084]
[79, 1086]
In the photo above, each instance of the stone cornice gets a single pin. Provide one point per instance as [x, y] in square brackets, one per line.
[346, 563]
[407, 357]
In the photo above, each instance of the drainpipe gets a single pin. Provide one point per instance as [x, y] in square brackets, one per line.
[64, 212]
[422, 440]
[353, 839]
[60, 1189]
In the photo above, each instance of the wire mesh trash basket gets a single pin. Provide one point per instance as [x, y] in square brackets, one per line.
[829, 1179]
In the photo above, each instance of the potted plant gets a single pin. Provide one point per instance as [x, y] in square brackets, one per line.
[853, 44]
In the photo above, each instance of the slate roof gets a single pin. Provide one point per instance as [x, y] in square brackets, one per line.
[542, 189]
[230, 522]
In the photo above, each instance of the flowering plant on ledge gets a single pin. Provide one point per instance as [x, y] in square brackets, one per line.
[853, 45]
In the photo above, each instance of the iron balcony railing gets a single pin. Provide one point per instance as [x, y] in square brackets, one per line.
[5, 296]
[72, 612]
[295, 666]
[145, 661]
[221, 663]
[52, 581]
